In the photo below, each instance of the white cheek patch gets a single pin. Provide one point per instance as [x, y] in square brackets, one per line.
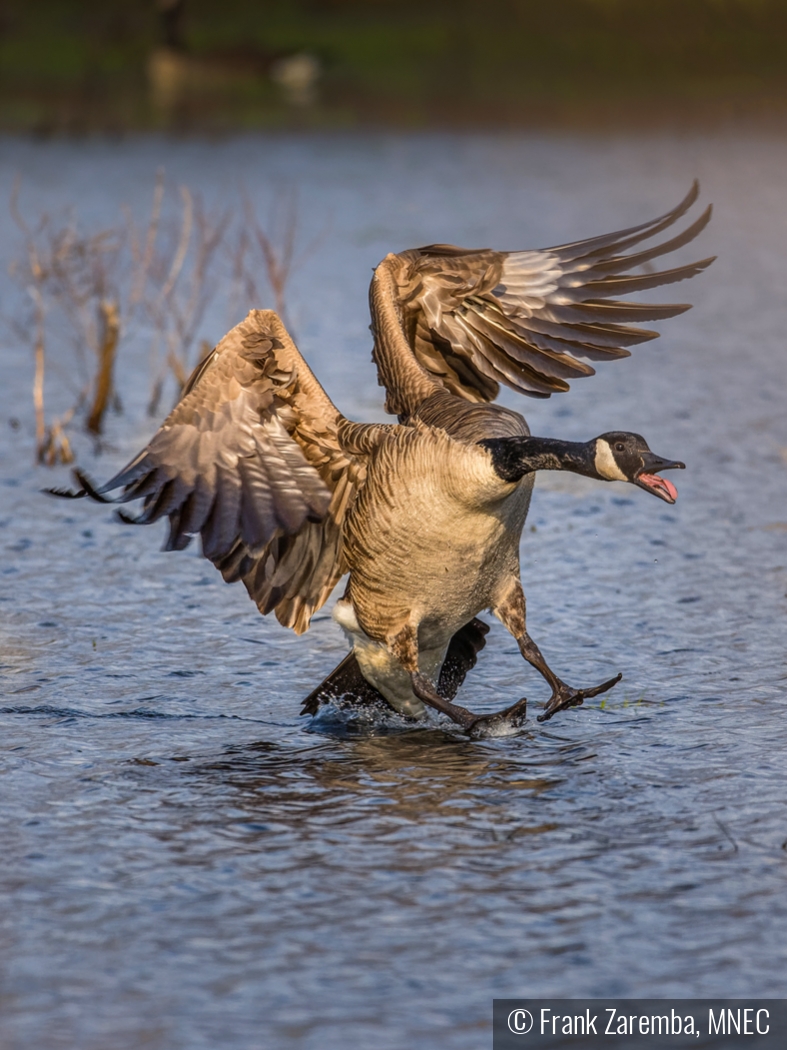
[605, 463]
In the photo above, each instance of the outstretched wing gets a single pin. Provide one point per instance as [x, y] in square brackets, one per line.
[473, 319]
[253, 459]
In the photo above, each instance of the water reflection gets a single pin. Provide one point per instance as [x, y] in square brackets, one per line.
[420, 777]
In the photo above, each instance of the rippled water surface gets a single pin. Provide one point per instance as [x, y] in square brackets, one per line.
[187, 863]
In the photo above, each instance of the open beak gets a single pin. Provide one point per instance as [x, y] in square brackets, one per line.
[649, 479]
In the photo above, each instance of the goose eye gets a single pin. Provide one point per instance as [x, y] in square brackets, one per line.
[620, 447]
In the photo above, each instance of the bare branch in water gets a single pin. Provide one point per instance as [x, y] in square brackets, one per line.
[85, 292]
[110, 333]
[188, 285]
[183, 246]
[277, 251]
[143, 260]
[52, 444]
[74, 277]
[38, 379]
[276, 246]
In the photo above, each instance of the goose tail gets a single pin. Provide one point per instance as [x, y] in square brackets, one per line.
[346, 681]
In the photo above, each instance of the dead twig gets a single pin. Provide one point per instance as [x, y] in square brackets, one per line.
[276, 245]
[38, 379]
[142, 261]
[90, 291]
[71, 278]
[110, 327]
[187, 283]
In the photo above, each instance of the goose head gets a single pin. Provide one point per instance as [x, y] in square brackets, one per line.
[622, 456]
[614, 456]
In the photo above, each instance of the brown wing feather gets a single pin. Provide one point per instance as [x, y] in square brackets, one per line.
[467, 320]
[257, 460]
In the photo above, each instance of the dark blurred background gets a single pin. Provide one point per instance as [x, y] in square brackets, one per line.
[114, 65]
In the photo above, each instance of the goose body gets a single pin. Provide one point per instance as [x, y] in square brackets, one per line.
[433, 537]
[424, 515]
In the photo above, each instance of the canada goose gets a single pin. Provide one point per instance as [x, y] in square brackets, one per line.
[425, 514]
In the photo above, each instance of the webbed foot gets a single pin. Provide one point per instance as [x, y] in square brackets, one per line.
[564, 696]
[501, 723]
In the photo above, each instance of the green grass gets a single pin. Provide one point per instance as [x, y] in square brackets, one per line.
[65, 63]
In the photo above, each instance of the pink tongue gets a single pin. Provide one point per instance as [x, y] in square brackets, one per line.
[656, 482]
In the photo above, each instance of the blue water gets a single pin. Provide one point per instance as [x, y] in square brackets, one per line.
[187, 863]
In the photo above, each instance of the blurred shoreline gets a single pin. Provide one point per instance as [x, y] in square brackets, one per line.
[596, 115]
[78, 67]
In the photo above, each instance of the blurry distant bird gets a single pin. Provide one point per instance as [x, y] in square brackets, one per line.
[426, 514]
[176, 76]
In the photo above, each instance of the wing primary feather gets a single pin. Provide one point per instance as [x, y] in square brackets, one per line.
[90, 489]
[603, 335]
[629, 236]
[158, 504]
[249, 459]
[258, 520]
[145, 485]
[221, 527]
[473, 319]
[623, 263]
[177, 540]
[544, 362]
[64, 493]
[616, 310]
[126, 519]
[626, 284]
[519, 376]
[130, 473]
[564, 346]
[622, 246]
[197, 507]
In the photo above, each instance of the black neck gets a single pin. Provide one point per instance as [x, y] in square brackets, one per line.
[514, 457]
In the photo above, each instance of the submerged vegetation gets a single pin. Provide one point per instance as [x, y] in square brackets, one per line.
[82, 65]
